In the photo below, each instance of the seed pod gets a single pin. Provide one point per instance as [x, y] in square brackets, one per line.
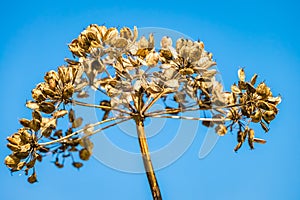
[46, 107]
[46, 131]
[77, 164]
[84, 154]
[31, 163]
[58, 133]
[25, 122]
[11, 161]
[263, 105]
[38, 95]
[221, 129]
[77, 122]
[60, 113]
[126, 33]
[263, 90]
[35, 125]
[32, 179]
[166, 42]
[251, 138]
[256, 117]
[253, 79]
[32, 105]
[274, 100]
[250, 88]
[68, 91]
[238, 146]
[14, 139]
[260, 141]
[241, 75]
[36, 115]
[235, 89]
[110, 34]
[71, 115]
[13, 147]
[269, 115]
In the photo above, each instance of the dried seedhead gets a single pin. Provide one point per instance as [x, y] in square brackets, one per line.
[131, 75]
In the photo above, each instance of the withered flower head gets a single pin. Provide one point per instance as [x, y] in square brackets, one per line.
[130, 76]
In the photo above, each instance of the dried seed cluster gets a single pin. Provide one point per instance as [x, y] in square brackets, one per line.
[132, 75]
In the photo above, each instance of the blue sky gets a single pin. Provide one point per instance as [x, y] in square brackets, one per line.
[261, 36]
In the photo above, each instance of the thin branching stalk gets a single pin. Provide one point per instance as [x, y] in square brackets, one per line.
[191, 118]
[81, 130]
[99, 106]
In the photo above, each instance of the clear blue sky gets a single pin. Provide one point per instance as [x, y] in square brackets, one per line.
[263, 36]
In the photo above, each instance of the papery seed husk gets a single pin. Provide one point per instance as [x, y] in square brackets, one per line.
[260, 141]
[84, 154]
[60, 113]
[269, 115]
[241, 74]
[46, 107]
[253, 79]
[13, 147]
[32, 105]
[77, 164]
[77, 122]
[71, 115]
[37, 115]
[25, 122]
[32, 179]
[251, 138]
[35, 125]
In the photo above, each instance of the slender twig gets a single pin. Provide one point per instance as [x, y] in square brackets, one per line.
[78, 131]
[192, 118]
[146, 107]
[99, 106]
[106, 127]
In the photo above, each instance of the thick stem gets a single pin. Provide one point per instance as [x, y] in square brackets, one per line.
[147, 160]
